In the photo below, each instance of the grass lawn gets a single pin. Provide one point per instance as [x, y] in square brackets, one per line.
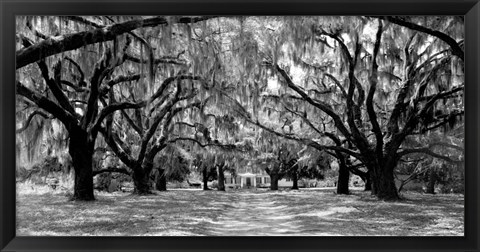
[240, 213]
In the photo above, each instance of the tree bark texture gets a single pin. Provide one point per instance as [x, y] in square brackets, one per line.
[161, 180]
[368, 183]
[81, 151]
[205, 179]
[343, 178]
[141, 181]
[295, 180]
[432, 179]
[274, 182]
[221, 178]
[383, 181]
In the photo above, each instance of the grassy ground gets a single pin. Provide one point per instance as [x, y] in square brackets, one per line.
[233, 213]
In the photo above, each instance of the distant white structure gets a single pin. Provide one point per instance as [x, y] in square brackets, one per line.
[247, 180]
[255, 177]
[253, 180]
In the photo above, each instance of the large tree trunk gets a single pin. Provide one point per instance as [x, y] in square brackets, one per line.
[221, 178]
[205, 179]
[383, 181]
[274, 182]
[141, 181]
[81, 152]
[274, 177]
[368, 183]
[161, 180]
[432, 179]
[295, 180]
[343, 178]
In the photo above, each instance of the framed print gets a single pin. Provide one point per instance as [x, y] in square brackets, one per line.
[239, 126]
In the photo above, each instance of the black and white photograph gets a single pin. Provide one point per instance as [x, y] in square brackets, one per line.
[240, 126]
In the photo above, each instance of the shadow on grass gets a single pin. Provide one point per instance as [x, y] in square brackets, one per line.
[233, 213]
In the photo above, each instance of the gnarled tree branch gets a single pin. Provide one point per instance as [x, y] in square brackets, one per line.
[63, 43]
[456, 49]
[29, 119]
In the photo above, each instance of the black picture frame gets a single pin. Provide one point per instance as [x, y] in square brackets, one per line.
[10, 8]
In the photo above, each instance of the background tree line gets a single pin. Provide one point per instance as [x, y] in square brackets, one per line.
[291, 92]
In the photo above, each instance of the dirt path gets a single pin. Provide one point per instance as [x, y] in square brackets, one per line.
[255, 214]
